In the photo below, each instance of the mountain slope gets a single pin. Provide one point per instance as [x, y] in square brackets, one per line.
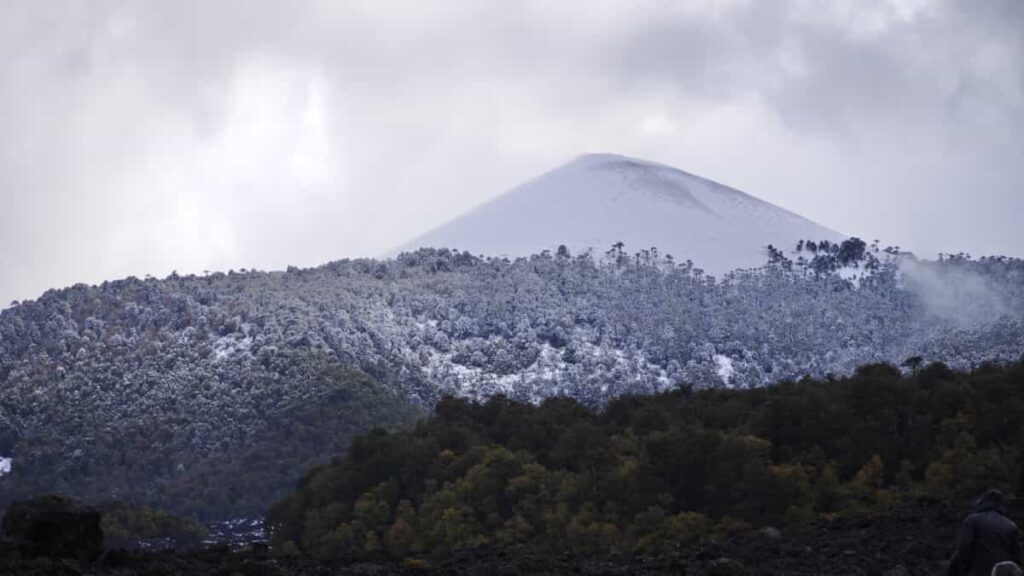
[600, 199]
[208, 395]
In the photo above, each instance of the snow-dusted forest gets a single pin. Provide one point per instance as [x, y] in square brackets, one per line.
[146, 389]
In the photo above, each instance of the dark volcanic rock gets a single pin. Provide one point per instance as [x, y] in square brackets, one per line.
[913, 539]
[727, 567]
[54, 527]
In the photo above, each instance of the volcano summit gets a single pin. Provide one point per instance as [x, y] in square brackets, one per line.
[598, 200]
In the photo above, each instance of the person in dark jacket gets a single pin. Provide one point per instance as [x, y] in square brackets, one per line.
[986, 538]
[1006, 569]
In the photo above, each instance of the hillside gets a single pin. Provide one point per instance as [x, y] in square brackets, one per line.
[160, 391]
[651, 476]
[866, 475]
[598, 200]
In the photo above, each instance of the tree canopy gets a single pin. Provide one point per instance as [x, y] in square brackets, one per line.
[649, 473]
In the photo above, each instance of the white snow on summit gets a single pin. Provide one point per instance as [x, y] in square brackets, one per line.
[600, 199]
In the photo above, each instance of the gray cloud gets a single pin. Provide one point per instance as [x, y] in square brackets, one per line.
[143, 137]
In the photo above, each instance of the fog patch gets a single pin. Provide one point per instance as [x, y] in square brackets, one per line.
[963, 296]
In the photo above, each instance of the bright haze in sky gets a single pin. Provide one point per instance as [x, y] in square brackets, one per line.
[144, 137]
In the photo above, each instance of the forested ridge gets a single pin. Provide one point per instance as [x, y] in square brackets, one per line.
[650, 474]
[263, 465]
[163, 392]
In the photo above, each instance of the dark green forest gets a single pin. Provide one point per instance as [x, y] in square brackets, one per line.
[126, 527]
[649, 474]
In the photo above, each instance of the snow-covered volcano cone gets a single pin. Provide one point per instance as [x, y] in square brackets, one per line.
[598, 200]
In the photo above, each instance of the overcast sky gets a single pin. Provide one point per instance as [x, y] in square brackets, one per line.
[144, 137]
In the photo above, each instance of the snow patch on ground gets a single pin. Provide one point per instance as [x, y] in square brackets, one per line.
[5, 465]
[228, 346]
[237, 533]
[851, 274]
[550, 374]
[724, 368]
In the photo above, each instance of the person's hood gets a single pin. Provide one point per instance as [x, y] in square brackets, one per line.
[991, 500]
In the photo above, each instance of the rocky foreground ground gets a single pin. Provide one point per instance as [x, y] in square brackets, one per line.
[910, 540]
